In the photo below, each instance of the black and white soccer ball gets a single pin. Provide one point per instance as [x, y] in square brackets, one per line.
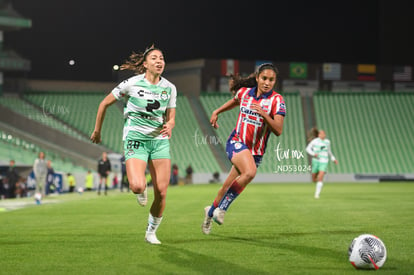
[367, 252]
[38, 197]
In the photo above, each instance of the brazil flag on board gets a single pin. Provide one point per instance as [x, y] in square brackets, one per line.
[298, 70]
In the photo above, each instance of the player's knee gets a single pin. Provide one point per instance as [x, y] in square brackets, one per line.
[250, 174]
[160, 194]
[137, 186]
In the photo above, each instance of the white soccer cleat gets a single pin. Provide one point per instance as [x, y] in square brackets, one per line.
[151, 238]
[142, 198]
[206, 226]
[218, 215]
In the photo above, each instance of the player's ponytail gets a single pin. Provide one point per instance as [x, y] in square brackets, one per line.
[236, 81]
[135, 62]
[313, 133]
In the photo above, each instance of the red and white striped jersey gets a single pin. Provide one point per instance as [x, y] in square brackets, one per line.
[251, 129]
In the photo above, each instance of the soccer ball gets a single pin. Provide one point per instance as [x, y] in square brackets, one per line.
[367, 252]
[80, 190]
[38, 197]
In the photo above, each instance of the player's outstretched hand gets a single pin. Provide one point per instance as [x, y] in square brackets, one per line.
[213, 120]
[96, 137]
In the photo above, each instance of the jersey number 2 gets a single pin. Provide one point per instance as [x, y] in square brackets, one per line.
[152, 105]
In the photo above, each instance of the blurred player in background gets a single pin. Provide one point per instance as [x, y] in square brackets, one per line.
[149, 120]
[262, 112]
[319, 148]
[40, 172]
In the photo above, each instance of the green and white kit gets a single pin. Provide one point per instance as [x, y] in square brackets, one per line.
[320, 150]
[145, 111]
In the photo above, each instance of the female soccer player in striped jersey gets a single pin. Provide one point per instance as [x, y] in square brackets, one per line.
[149, 120]
[262, 111]
[320, 150]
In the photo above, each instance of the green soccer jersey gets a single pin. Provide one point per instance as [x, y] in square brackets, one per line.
[322, 148]
[146, 106]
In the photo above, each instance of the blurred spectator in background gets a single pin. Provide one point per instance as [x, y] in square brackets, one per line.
[216, 178]
[115, 182]
[189, 174]
[2, 196]
[71, 182]
[89, 181]
[12, 177]
[148, 177]
[21, 188]
[104, 167]
[50, 176]
[174, 174]
[124, 179]
[40, 172]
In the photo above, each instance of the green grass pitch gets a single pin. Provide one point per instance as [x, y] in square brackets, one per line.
[269, 229]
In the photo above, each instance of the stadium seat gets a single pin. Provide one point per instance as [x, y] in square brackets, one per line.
[185, 149]
[78, 109]
[370, 133]
[24, 152]
[37, 114]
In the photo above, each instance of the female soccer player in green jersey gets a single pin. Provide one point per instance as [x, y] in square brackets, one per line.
[320, 150]
[149, 120]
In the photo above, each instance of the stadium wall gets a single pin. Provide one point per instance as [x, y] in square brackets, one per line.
[192, 77]
[204, 178]
[186, 76]
[201, 178]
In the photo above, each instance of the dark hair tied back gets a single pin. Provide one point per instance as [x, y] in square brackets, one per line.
[136, 61]
[266, 66]
[237, 82]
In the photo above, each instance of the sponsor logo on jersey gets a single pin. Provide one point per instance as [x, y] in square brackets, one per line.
[265, 102]
[265, 105]
[148, 94]
[248, 111]
[252, 121]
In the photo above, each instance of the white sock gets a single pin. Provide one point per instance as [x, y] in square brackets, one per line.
[153, 223]
[318, 190]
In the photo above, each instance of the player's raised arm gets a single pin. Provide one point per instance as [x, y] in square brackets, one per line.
[100, 116]
[223, 108]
